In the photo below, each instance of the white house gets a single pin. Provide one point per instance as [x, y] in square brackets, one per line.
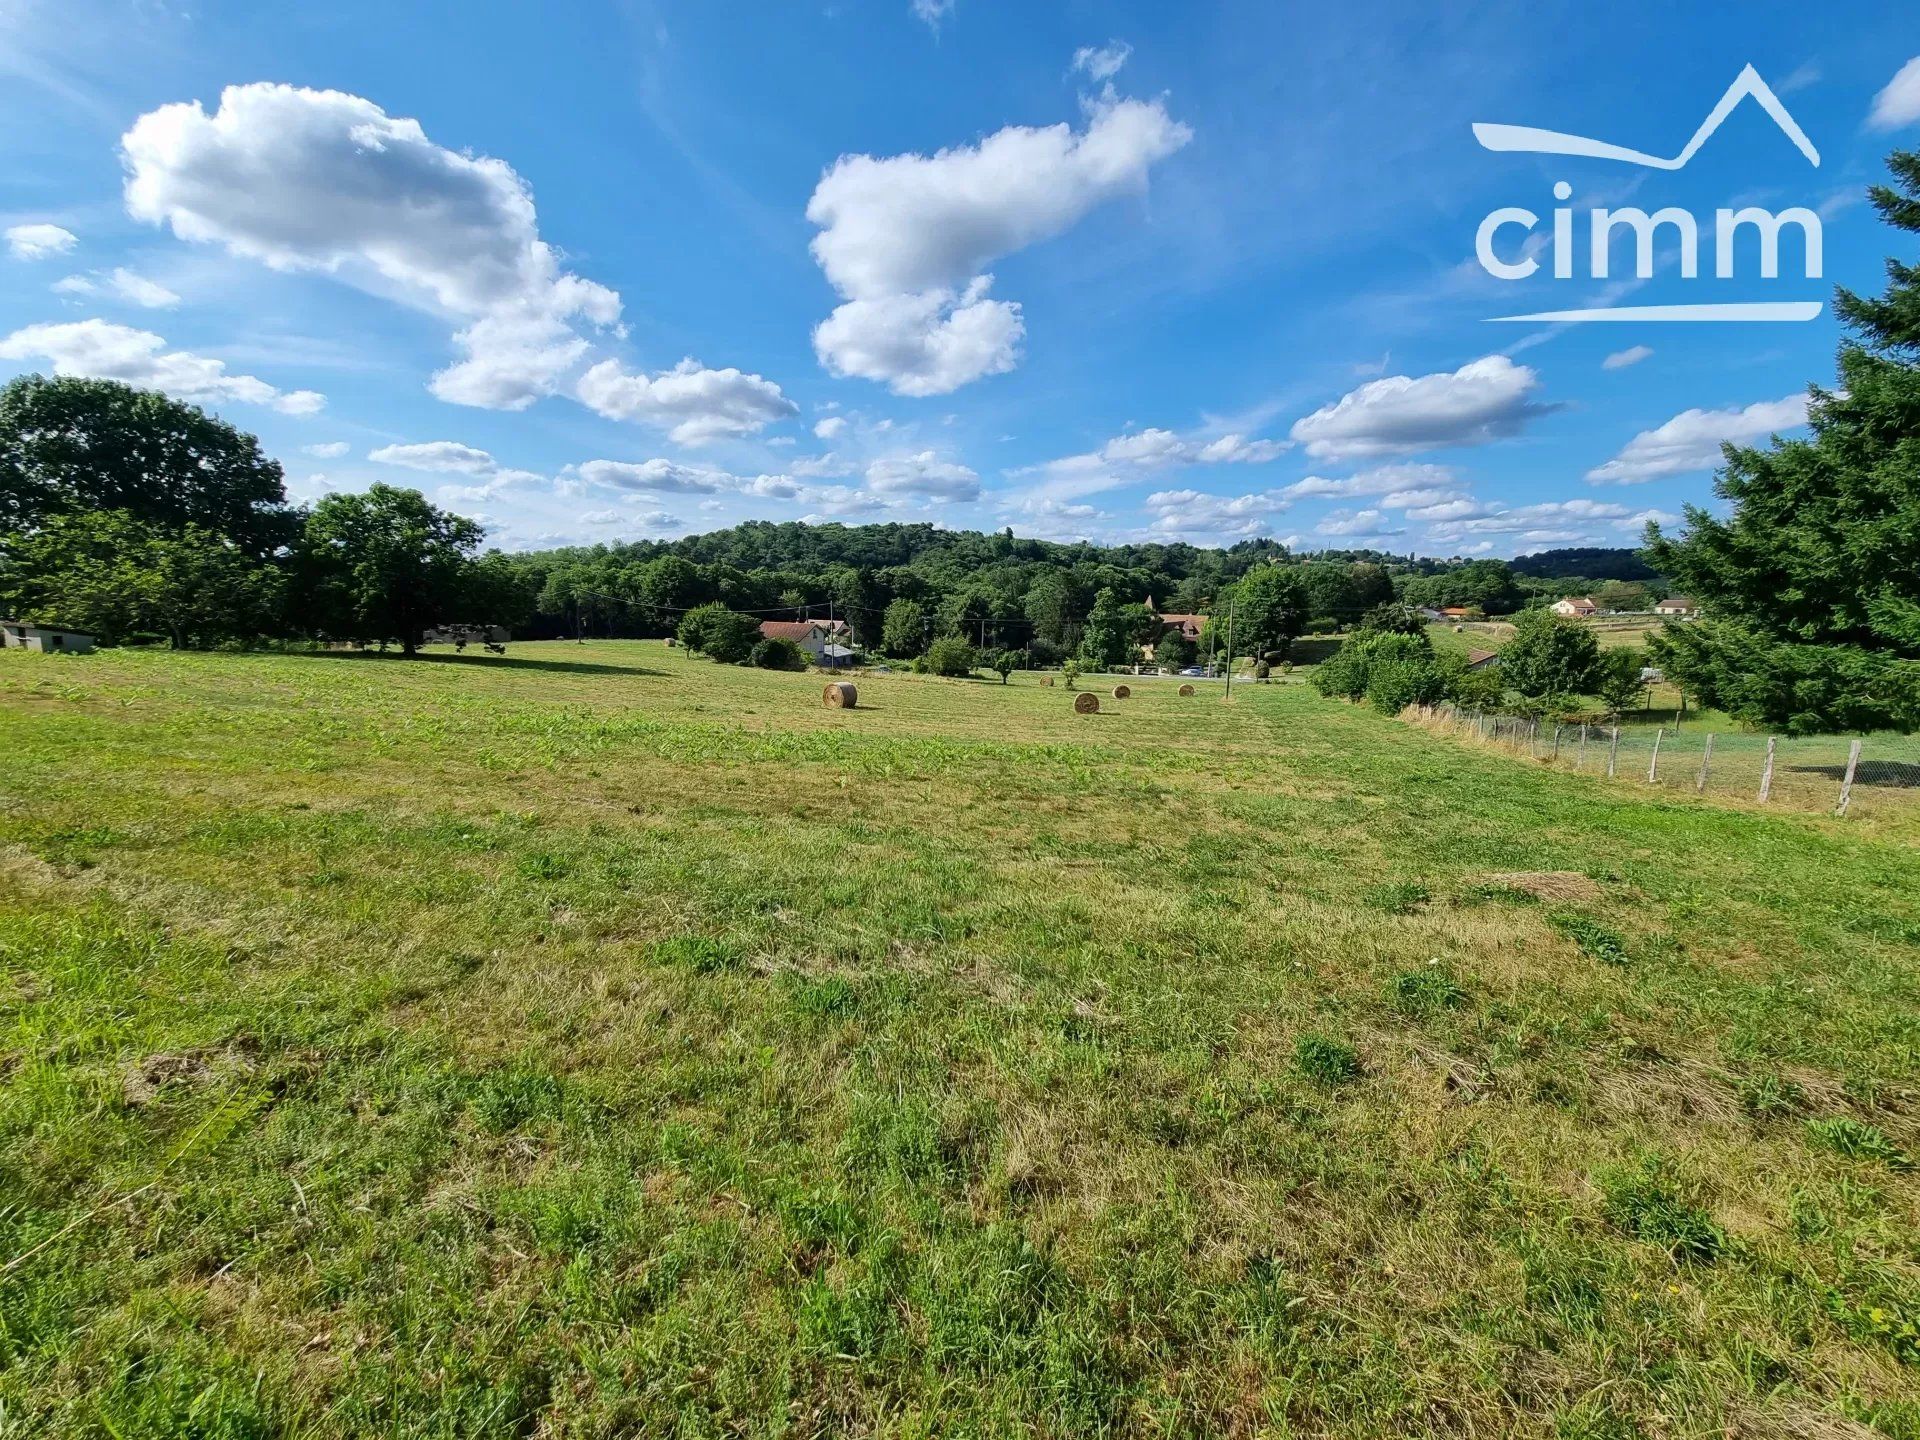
[1577, 606]
[1676, 605]
[812, 636]
[18, 635]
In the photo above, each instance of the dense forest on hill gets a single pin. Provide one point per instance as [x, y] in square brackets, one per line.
[997, 586]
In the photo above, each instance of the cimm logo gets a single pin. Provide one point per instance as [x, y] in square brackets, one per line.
[1682, 228]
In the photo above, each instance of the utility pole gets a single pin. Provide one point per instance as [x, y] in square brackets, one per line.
[1230, 610]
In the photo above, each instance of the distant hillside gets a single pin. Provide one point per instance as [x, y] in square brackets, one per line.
[1588, 562]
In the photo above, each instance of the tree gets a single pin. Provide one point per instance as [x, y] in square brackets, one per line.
[1393, 619]
[1269, 604]
[1372, 585]
[667, 587]
[1173, 650]
[116, 577]
[950, 655]
[1618, 682]
[1332, 595]
[718, 633]
[1486, 585]
[903, 629]
[1628, 595]
[1550, 657]
[386, 565]
[1810, 587]
[776, 654]
[1004, 663]
[853, 601]
[70, 446]
[1108, 639]
[1053, 604]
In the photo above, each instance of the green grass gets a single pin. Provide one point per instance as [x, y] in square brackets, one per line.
[602, 1042]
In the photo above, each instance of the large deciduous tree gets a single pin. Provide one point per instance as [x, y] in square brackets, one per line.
[1810, 587]
[71, 447]
[1264, 611]
[385, 565]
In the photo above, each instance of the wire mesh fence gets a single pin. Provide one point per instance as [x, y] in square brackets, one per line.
[1838, 773]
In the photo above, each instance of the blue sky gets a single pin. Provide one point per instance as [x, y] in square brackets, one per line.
[1129, 271]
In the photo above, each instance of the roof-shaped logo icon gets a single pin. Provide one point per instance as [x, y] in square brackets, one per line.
[1527, 139]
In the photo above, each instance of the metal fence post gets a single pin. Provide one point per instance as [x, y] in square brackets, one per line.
[1766, 776]
[1706, 763]
[1846, 785]
[1653, 765]
[1613, 751]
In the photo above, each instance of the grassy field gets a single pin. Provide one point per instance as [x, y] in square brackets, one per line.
[602, 1042]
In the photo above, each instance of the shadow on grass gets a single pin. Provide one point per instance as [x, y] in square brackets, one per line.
[492, 662]
[1898, 773]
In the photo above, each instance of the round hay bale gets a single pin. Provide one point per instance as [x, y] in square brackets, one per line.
[1186, 689]
[1120, 692]
[840, 695]
[1047, 680]
[1086, 702]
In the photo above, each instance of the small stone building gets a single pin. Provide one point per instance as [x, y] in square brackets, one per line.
[18, 635]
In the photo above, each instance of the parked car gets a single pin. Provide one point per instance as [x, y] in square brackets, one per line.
[1200, 670]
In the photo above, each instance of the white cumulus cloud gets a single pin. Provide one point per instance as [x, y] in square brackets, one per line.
[1899, 102]
[906, 239]
[693, 404]
[1691, 440]
[139, 357]
[830, 427]
[1350, 523]
[923, 474]
[664, 477]
[1195, 512]
[37, 242]
[321, 180]
[1484, 400]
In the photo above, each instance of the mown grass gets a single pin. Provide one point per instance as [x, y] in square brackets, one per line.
[606, 1042]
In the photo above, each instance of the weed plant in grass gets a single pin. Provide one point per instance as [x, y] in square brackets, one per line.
[603, 1041]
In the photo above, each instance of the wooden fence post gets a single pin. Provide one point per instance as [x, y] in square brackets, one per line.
[1706, 763]
[1846, 785]
[1653, 765]
[1556, 742]
[1766, 776]
[1581, 764]
[1613, 751]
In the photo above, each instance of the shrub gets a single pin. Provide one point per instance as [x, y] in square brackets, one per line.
[1322, 1058]
[950, 655]
[777, 655]
[718, 633]
[1397, 682]
[1388, 669]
